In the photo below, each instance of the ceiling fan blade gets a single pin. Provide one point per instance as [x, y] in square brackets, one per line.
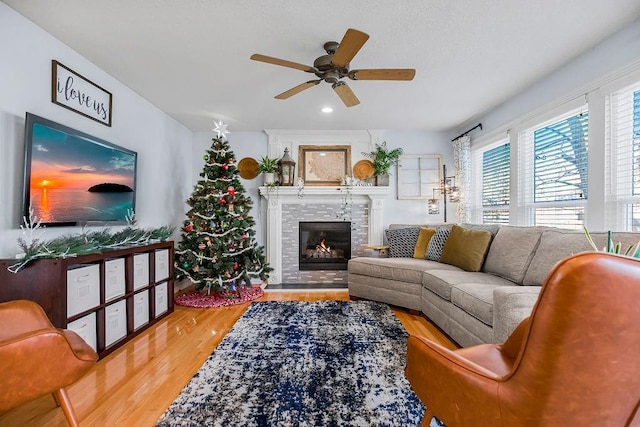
[282, 62]
[350, 45]
[297, 89]
[346, 94]
[383, 74]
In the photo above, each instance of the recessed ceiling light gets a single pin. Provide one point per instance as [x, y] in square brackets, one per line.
[327, 110]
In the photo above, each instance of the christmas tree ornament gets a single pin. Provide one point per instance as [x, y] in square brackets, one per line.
[202, 246]
[231, 190]
[221, 129]
[189, 227]
[225, 166]
[205, 157]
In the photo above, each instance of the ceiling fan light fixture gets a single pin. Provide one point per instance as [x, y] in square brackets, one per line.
[331, 76]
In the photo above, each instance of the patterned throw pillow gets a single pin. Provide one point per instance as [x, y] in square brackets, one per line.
[434, 250]
[402, 242]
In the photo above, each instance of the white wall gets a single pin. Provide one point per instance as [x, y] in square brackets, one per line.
[164, 146]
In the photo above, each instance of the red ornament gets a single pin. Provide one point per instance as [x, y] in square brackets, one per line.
[188, 228]
[235, 266]
[244, 236]
[222, 201]
[231, 190]
[202, 246]
[225, 166]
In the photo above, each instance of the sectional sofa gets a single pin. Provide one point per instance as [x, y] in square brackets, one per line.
[472, 307]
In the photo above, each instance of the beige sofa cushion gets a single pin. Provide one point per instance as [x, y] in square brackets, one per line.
[401, 269]
[475, 299]
[511, 252]
[554, 246]
[441, 281]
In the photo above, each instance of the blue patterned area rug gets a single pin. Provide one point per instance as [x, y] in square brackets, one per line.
[284, 363]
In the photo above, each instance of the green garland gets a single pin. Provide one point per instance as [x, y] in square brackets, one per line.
[86, 242]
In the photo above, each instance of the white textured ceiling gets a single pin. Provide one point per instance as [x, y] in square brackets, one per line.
[191, 57]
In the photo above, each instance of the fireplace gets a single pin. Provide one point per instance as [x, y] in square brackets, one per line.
[324, 245]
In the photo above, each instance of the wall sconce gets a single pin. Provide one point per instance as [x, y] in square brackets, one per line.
[287, 169]
[447, 188]
[433, 205]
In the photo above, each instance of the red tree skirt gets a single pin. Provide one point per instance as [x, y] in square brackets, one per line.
[196, 299]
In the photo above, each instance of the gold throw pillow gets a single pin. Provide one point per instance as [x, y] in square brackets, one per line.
[424, 237]
[466, 248]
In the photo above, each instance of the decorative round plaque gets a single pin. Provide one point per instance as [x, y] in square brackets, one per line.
[363, 169]
[248, 168]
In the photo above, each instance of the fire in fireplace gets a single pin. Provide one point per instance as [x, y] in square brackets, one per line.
[324, 245]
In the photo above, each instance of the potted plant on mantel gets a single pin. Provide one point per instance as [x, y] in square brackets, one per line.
[382, 159]
[269, 168]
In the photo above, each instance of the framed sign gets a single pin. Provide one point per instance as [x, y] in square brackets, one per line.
[324, 164]
[72, 91]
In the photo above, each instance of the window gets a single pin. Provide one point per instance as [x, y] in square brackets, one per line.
[492, 173]
[623, 162]
[555, 176]
[418, 176]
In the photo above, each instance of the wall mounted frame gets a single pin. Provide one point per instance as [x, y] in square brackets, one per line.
[76, 93]
[324, 164]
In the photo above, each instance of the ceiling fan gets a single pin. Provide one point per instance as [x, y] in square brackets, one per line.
[334, 66]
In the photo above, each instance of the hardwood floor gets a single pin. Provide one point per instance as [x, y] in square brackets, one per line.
[134, 385]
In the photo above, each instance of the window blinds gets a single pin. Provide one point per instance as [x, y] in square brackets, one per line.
[622, 138]
[554, 176]
[496, 184]
[490, 171]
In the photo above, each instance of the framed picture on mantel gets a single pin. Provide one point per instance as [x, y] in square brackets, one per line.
[74, 92]
[324, 164]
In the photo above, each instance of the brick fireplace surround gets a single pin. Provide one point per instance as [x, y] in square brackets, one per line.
[287, 206]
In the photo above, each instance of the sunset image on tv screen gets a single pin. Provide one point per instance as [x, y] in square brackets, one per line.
[78, 179]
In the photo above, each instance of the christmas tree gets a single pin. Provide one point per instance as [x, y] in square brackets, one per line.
[218, 251]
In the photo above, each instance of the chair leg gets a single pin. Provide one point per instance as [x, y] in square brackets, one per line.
[61, 397]
[426, 420]
[55, 399]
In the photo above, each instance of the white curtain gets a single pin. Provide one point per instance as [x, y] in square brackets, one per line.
[462, 165]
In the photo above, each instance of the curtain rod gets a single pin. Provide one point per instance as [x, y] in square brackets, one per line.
[479, 125]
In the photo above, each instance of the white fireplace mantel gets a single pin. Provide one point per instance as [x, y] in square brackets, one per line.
[278, 196]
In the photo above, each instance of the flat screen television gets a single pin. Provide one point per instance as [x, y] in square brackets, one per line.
[71, 178]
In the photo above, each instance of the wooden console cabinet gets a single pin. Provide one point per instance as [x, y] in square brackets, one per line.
[107, 297]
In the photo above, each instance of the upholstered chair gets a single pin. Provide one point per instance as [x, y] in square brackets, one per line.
[574, 361]
[37, 358]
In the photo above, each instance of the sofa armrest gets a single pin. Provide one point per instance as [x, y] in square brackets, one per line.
[511, 305]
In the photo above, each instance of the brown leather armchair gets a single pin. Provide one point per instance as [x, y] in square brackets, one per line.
[574, 361]
[37, 358]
